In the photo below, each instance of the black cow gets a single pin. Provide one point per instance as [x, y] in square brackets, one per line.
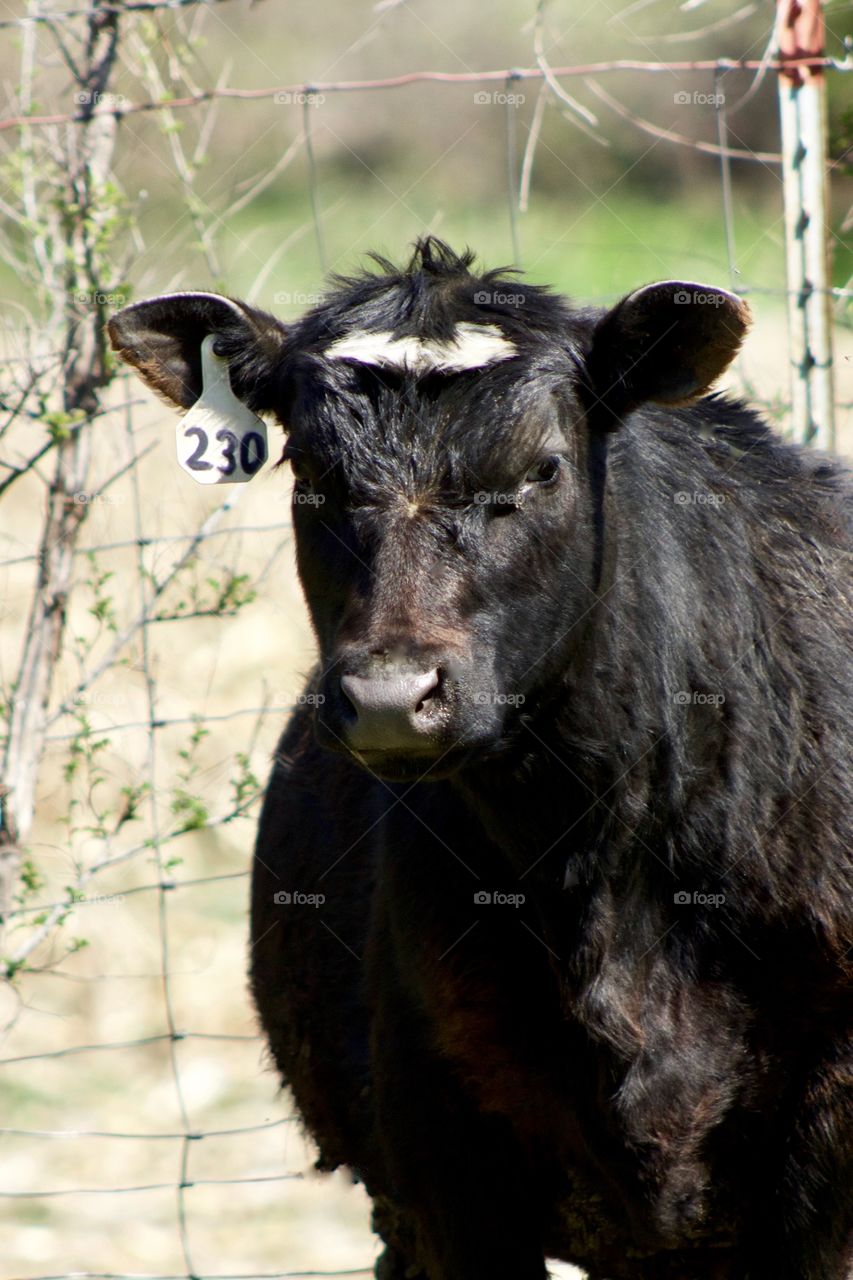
[573, 777]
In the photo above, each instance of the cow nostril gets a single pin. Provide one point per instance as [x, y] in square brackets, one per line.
[346, 690]
[429, 695]
[393, 711]
[390, 696]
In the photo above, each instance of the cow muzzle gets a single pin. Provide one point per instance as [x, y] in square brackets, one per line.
[394, 711]
[409, 713]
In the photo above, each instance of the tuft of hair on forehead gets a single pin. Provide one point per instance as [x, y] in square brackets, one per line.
[437, 313]
[420, 297]
[432, 260]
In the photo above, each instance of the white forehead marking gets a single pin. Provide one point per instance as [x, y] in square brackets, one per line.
[471, 347]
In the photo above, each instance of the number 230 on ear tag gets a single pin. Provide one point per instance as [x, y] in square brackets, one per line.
[220, 440]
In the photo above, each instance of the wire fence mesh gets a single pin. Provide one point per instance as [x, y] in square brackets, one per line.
[141, 1135]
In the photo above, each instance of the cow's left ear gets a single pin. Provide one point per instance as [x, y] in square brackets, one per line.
[162, 339]
[667, 342]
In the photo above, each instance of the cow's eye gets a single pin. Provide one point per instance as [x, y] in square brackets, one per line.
[302, 482]
[545, 471]
[297, 460]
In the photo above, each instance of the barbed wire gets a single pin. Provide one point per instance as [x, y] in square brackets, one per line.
[141, 1136]
[308, 89]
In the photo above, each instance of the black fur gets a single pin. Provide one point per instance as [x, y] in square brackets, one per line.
[646, 693]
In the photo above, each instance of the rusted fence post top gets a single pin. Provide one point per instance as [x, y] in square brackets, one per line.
[800, 34]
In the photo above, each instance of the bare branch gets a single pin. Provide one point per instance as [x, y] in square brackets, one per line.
[669, 135]
[699, 33]
[530, 151]
[144, 615]
[551, 80]
[84, 372]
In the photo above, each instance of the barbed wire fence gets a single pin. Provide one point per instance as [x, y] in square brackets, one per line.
[118, 792]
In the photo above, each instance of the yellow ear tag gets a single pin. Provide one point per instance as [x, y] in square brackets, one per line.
[220, 440]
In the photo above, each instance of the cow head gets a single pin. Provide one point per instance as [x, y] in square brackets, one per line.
[447, 435]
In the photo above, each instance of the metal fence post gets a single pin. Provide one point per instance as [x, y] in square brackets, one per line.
[802, 105]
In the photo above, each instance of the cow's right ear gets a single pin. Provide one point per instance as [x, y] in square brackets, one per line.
[162, 339]
[666, 343]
